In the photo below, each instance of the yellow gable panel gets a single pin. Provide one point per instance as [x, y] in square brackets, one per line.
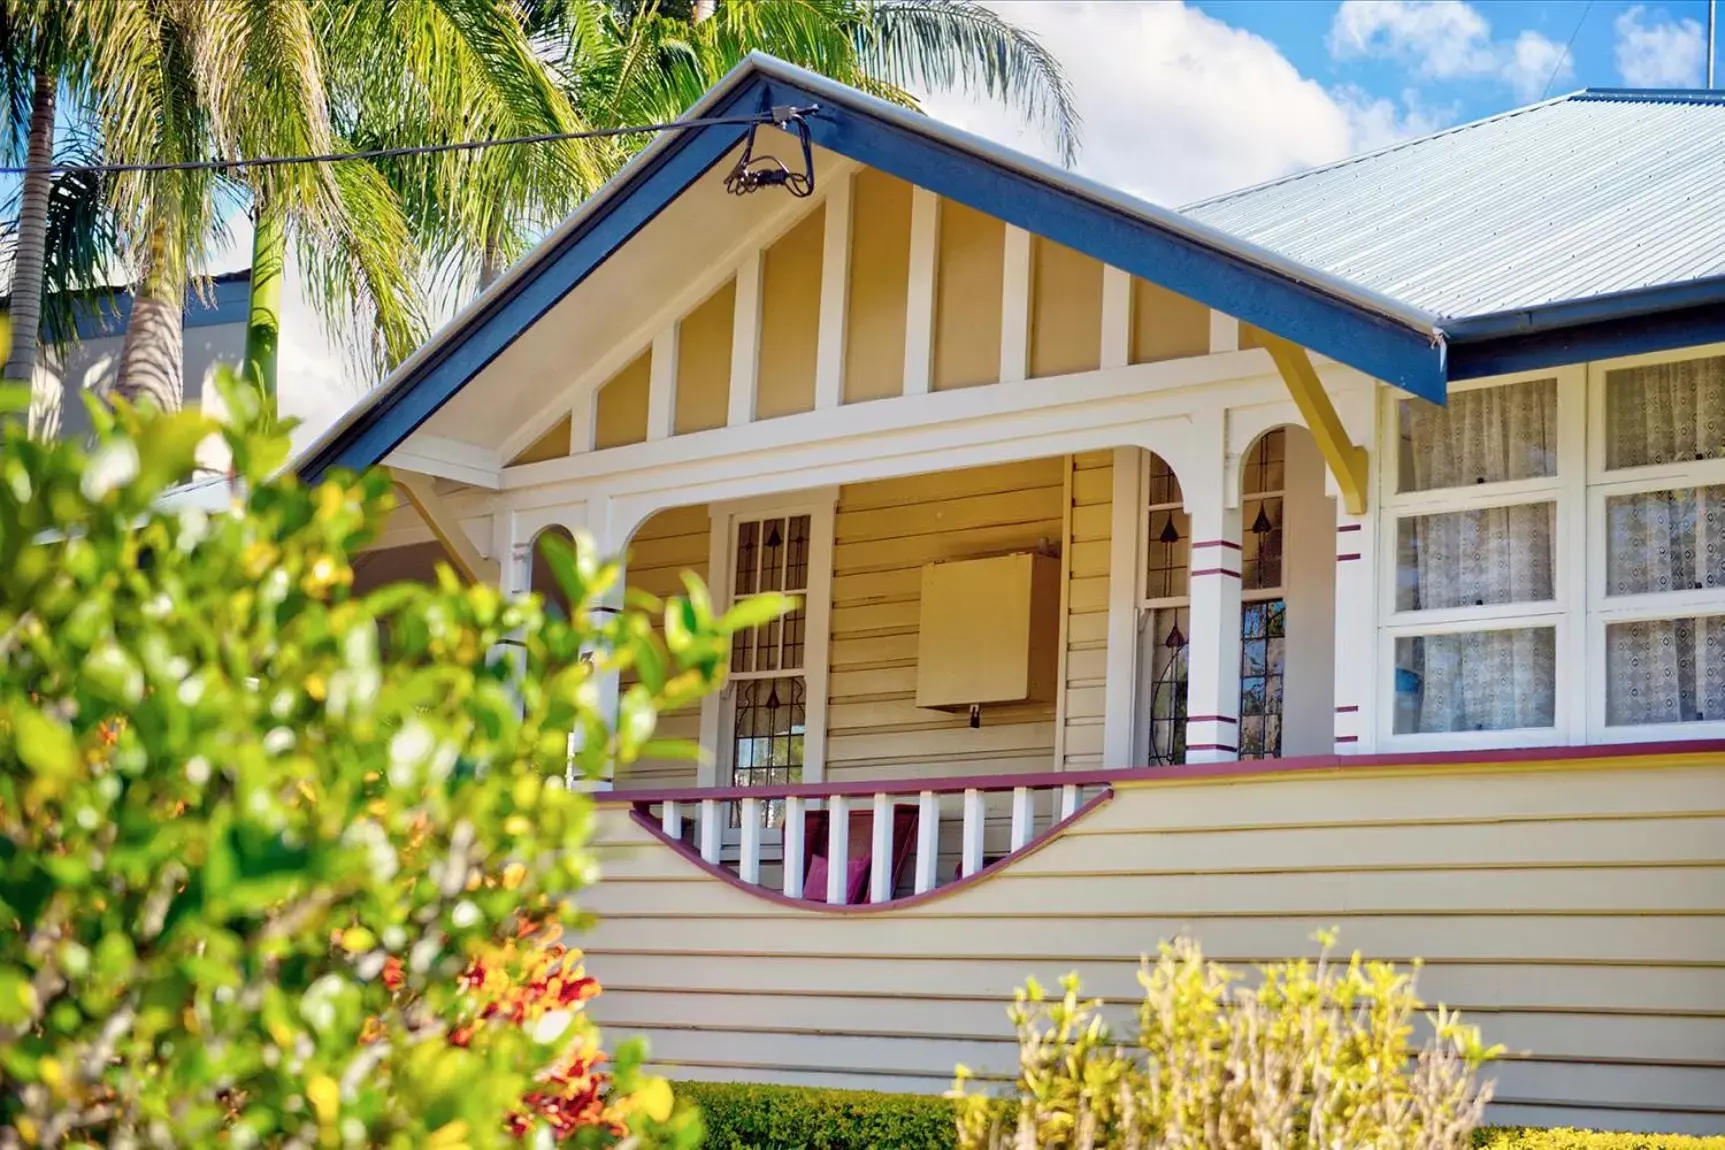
[1166, 325]
[554, 444]
[790, 320]
[971, 271]
[1066, 319]
[880, 276]
[622, 411]
[704, 363]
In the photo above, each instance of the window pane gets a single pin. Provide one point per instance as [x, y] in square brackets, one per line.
[1665, 413]
[1164, 693]
[1261, 544]
[1489, 435]
[1168, 555]
[1264, 464]
[1476, 558]
[767, 740]
[1665, 671]
[1263, 626]
[1476, 681]
[1665, 541]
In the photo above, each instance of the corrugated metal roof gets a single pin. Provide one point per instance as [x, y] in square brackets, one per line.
[1594, 194]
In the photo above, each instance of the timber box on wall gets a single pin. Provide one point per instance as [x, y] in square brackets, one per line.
[989, 632]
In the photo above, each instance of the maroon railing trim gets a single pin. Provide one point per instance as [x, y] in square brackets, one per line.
[1203, 543]
[1347, 709]
[651, 825]
[1346, 558]
[1347, 527]
[1216, 571]
[952, 783]
[1211, 719]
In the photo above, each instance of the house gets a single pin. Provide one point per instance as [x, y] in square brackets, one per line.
[1348, 551]
[68, 368]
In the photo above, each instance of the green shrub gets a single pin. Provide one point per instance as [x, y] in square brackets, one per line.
[1527, 1138]
[745, 1116]
[1317, 1054]
[265, 843]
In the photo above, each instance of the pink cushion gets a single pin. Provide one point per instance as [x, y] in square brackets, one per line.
[815, 882]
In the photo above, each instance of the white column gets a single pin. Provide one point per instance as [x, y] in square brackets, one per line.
[921, 294]
[1224, 332]
[710, 831]
[746, 341]
[749, 860]
[1116, 317]
[1213, 656]
[1016, 279]
[662, 383]
[1119, 691]
[927, 841]
[975, 818]
[1356, 630]
[880, 851]
[600, 528]
[1023, 817]
[793, 887]
[838, 848]
[835, 293]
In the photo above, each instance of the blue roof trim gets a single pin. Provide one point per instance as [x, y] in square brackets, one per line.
[1293, 310]
[1605, 338]
[385, 425]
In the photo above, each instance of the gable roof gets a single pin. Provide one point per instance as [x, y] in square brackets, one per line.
[1362, 323]
[1602, 202]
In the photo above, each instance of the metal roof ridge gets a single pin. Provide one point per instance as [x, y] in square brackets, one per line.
[1652, 95]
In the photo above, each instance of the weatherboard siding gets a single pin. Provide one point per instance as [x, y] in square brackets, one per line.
[1576, 911]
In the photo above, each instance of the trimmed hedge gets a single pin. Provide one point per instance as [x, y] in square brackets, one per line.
[748, 1116]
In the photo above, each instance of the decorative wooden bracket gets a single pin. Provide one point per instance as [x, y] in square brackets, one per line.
[1347, 460]
[438, 516]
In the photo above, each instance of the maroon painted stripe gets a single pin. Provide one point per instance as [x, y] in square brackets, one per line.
[1210, 719]
[1215, 571]
[1210, 747]
[1347, 527]
[950, 784]
[1229, 543]
[1345, 558]
[1347, 710]
[648, 823]
[1347, 738]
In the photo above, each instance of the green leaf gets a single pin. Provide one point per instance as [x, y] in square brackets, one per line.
[45, 744]
[756, 610]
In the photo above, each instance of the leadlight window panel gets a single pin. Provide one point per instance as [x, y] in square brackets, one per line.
[1168, 553]
[1663, 541]
[1261, 511]
[1665, 413]
[1263, 660]
[1479, 557]
[1481, 435]
[772, 554]
[1665, 671]
[767, 738]
[1166, 632]
[1499, 680]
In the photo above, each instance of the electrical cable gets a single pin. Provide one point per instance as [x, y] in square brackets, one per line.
[1564, 55]
[778, 115]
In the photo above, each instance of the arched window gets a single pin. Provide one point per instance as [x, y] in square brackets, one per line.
[1164, 615]
[542, 580]
[1263, 606]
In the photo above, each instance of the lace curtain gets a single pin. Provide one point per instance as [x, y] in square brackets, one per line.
[1483, 680]
[1665, 413]
[1665, 671]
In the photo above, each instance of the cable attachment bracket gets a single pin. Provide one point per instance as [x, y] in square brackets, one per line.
[751, 173]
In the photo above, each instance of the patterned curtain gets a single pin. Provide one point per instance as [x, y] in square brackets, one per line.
[1665, 413]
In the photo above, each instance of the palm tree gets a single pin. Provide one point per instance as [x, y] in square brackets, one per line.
[147, 96]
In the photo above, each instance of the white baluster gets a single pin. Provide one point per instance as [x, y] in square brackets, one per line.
[880, 851]
[1068, 801]
[793, 887]
[975, 813]
[749, 863]
[709, 830]
[671, 819]
[927, 840]
[1023, 817]
[838, 849]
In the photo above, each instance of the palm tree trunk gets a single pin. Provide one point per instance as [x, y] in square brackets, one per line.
[263, 322]
[152, 357]
[702, 10]
[32, 234]
[490, 261]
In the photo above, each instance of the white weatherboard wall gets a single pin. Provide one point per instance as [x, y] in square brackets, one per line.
[1577, 913]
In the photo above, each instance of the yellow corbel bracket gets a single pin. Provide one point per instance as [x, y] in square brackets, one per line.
[438, 516]
[1347, 459]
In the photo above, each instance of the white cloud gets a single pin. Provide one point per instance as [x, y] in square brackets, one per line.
[1663, 53]
[1446, 40]
[1178, 105]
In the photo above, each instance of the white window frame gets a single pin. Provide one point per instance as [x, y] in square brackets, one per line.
[718, 708]
[1143, 725]
[1254, 595]
[1563, 612]
[1603, 610]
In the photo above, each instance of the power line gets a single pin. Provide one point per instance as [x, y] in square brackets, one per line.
[780, 115]
[1563, 55]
